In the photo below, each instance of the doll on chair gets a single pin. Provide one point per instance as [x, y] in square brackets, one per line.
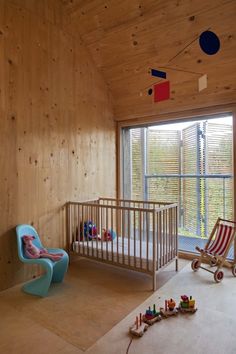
[32, 251]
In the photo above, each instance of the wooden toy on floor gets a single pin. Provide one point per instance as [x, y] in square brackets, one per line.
[142, 322]
[187, 304]
[151, 316]
[169, 309]
[139, 327]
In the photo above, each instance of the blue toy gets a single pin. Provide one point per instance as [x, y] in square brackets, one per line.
[90, 230]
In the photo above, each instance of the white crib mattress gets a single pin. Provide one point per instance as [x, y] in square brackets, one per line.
[134, 253]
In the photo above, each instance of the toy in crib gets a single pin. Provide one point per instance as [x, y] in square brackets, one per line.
[139, 327]
[108, 235]
[32, 251]
[187, 304]
[90, 230]
[169, 309]
[151, 316]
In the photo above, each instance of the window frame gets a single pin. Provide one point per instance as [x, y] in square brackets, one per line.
[176, 117]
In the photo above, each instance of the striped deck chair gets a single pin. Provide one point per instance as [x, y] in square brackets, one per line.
[217, 248]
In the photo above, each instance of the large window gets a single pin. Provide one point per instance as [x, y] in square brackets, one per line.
[189, 163]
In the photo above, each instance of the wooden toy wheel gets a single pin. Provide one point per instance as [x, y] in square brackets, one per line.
[234, 270]
[195, 264]
[218, 276]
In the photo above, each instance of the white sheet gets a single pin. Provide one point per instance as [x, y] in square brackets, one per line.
[131, 253]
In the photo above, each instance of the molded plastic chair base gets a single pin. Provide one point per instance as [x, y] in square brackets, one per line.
[40, 286]
[37, 287]
[60, 267]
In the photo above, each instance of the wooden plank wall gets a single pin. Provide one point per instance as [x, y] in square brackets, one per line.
[57, 133]
[127, 38]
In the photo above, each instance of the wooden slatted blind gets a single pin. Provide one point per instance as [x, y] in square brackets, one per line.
[219, 196]
[163, 157]
[137, 165]
[190, 165]
[204, 148]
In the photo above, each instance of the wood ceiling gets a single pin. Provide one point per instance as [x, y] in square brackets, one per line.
[128, 37]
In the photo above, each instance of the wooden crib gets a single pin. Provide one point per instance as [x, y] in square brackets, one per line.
[137, 235]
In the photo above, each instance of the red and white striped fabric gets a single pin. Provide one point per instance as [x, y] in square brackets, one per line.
[221, 241]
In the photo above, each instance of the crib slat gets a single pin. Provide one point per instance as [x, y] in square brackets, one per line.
[92, 220]
[74, 223]
[129, 237]
[166, 239]
[154, 250]
[140, 236]
[163, 243]
[158, 239]
[147, 241]
[167, 236]
[106, 217]
[98, 227]
[163, 232]
[161, 239]
[176, 231]
[78, 228]
[172, 233]
[96, 233]
[82, 228]
[79, 223]
[87, 231]
[122, 236]
[169, 233]
[68, 226]
[135, 240]
[102, 216]
[117, 238]
[112, 228]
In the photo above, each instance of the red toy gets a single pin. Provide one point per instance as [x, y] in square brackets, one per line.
[106, 235]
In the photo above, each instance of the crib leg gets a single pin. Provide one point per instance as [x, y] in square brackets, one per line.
[154, 282]
[176, 264]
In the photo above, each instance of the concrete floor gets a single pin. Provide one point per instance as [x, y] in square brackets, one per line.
[24, 329]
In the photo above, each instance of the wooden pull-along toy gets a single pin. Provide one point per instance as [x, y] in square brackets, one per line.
[151, 316]
[143, 321]
[139, 327]
[187, 304]
[169, 309]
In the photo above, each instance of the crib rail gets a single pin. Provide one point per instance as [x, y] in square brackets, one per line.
[138, 235]
[133, 203]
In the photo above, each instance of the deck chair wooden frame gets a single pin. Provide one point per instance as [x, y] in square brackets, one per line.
[217, 248]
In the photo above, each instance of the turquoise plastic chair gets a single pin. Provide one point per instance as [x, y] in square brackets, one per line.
[55, 271]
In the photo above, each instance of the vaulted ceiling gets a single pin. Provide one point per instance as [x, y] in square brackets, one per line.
[128, 37]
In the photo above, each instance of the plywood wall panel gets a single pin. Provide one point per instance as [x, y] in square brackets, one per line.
[46, 10]
[57, 131]
[127, 39]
